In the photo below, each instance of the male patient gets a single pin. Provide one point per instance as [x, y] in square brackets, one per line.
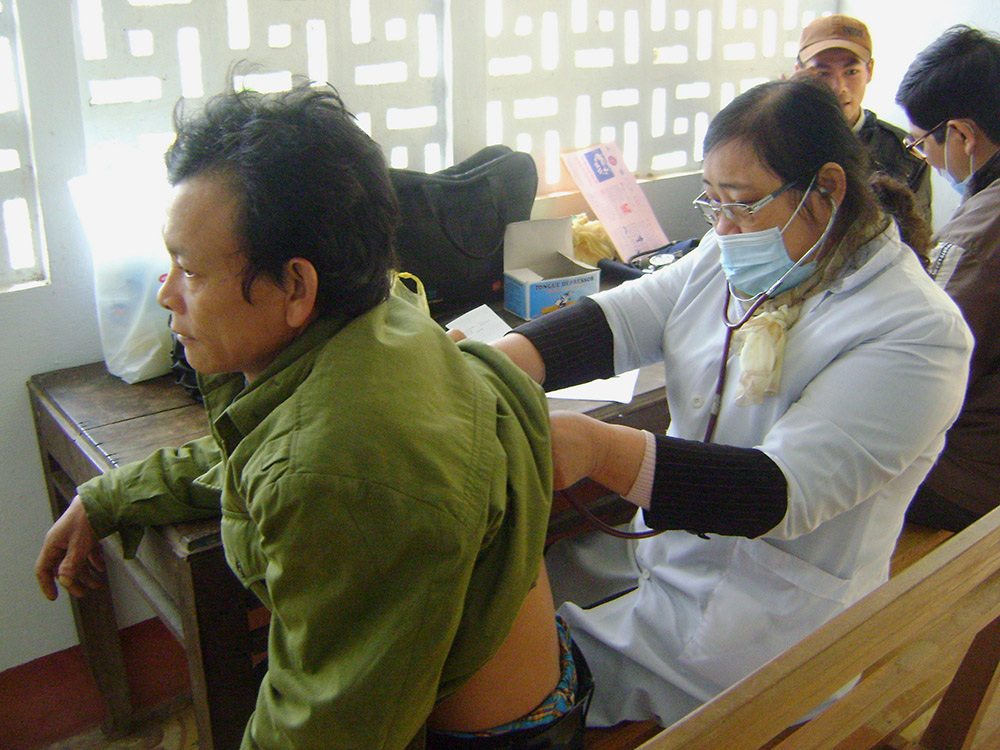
[951, 94]
[383, 491]
[839, 50]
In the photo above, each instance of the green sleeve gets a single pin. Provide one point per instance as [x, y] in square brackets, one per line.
[366, 589]
[170, 486]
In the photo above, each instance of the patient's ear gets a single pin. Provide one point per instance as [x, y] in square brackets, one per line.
[301, 285]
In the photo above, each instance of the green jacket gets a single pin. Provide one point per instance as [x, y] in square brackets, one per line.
[386, 494]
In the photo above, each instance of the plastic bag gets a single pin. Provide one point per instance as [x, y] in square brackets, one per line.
[122, 216]
[417, 296]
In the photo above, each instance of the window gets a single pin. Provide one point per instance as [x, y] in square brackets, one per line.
[435, 80]
[22, 250]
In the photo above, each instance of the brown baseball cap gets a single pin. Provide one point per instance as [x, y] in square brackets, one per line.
[835, 32]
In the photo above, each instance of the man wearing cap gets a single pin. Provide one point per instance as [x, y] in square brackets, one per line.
[839, 50]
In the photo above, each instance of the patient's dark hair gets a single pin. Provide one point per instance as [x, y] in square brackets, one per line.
[795, 126]
[311, 184]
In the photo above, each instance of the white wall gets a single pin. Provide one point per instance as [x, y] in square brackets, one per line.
[45, 328]
[899, 32]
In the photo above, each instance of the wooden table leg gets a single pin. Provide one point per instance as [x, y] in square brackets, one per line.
[102, 648]
[94, 614]
[219, 651]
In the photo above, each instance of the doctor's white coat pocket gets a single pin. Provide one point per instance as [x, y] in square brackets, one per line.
[766, 601]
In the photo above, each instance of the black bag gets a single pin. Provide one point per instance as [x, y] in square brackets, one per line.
[453, 222]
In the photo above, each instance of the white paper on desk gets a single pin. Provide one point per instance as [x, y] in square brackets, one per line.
[480, 324]
[620, 388]
[614, 195]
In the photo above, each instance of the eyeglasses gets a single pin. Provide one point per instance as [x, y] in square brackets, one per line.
[739, 213]
[916, 147]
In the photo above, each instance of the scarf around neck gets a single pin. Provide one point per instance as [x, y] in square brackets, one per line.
[760, 342]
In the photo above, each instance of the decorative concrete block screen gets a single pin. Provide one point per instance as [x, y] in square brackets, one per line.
[21, 247]
[435, 80]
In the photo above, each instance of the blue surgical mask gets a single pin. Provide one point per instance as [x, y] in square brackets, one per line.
[758, 262]
[959, 186]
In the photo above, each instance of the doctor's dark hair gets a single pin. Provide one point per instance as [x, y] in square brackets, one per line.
[794, 127]
[956, 76]
[311, 184]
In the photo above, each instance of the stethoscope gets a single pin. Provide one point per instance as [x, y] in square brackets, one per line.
[731, 328]
[753, 304]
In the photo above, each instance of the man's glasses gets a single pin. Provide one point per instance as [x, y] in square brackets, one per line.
[916, 147]
[739, 213]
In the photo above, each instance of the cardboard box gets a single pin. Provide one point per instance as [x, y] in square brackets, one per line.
[540, 272]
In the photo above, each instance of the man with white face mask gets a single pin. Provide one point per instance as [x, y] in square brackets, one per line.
[951, 94]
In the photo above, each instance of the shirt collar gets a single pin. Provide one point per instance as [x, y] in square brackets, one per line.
[869, 260]
[857, 126]
[985, 176]
[236, 407]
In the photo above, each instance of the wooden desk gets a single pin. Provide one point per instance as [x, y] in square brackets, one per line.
[88, 422]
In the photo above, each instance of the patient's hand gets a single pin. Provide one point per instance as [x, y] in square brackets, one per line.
[70, 555]
[456, 335]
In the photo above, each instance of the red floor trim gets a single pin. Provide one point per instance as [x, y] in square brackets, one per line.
[55, 697]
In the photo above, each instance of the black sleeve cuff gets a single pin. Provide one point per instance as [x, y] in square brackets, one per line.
[576, 344]
[709, 488]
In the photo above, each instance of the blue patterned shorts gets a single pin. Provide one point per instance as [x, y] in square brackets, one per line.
[560, 700]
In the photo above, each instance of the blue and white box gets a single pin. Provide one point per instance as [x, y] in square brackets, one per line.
[540, 272]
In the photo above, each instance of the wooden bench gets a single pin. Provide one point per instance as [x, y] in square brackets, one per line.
[927, 647]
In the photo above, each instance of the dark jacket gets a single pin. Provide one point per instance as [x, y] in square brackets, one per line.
[885, 145]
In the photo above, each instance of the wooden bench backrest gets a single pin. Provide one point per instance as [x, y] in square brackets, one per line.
[906, 639]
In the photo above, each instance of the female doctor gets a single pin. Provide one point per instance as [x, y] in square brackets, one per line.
[812, 370]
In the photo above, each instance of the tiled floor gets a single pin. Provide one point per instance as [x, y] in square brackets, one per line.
[175, 731]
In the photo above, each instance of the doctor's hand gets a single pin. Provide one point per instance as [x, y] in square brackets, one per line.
[585, 447]
[70, 555]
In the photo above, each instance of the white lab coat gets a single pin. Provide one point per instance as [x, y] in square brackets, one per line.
[874, 373]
